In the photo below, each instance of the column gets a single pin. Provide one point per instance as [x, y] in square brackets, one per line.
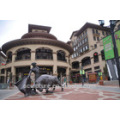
[14, 57]
[100, 62]
[80, 64]
[55, 64]
[33, 56]
[13, 74]
[68, 74]
[67, 60]
[92, 64]
[5, 75]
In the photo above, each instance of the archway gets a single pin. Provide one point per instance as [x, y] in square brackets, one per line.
[23, 54]
[44, 53]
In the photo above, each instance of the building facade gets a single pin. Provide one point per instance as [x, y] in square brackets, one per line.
[88, 48]
[2, 65]
[38, 45]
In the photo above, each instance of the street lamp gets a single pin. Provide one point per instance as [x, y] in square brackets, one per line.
[112, 26]
[101, 22]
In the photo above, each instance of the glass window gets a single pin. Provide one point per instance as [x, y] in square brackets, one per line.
[86, 47]
[97, 31]
[94, 38]
[98, 38]
[103, 32]
[95, 45]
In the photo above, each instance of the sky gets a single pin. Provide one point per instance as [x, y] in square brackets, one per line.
[64, 16]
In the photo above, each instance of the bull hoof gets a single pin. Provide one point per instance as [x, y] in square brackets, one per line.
[26, 95]
[49, 91]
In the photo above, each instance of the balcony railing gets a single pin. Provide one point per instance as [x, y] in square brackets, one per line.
[44, 57]
[22, 58]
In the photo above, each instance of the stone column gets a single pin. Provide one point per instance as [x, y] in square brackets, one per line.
[13, 74]
[33, 56]
[5, 75]
[14, 57]
[68, 74]
[55, 64]
[100, 62]
[92, 64]
[67, 60]
[80, 64]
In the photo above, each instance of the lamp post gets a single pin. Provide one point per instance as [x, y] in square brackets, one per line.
[112, 26]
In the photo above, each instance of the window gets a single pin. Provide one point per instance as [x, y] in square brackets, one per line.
[45, 53]
[83, 49]
[2, 71]
[94, 38]
[93, 30]
[74, 48]
[72, 56]
[83, 41]
[95, 45]
[86, 47]
[103, 32]
[97, 67]
[97, 31]
[98, 38]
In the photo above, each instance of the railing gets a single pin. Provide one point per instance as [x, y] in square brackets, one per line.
[22, 58]
[44, 57]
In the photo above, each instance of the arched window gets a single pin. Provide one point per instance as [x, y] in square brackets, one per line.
[44, 53]
[23, 54]
[95, 55]
[86, 61]
[75, 65]
[9, 57]
[61, 55]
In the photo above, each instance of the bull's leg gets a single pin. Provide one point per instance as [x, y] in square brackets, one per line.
[53, 88]
[47, 89]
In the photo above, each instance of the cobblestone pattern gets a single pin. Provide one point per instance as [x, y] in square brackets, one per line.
[81, 93]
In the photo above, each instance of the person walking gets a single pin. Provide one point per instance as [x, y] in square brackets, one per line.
[65, 81]
[82, 73]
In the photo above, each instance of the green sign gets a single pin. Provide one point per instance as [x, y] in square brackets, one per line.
[108, 47]
[117, 38]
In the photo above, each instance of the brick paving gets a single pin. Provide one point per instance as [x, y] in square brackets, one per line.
[73, 93]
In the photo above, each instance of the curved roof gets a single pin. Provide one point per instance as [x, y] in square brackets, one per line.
[39, 35]
[28, 41]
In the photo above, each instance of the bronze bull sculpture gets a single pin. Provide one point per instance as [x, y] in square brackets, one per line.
[42, 82]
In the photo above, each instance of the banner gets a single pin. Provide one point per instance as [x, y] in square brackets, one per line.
[108, 47]
[117, 38]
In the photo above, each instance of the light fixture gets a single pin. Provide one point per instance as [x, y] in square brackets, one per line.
[101, 22]
[112, 22]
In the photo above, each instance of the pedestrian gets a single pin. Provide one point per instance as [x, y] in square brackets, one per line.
[82, 73]
[65, 81]
[100, 75]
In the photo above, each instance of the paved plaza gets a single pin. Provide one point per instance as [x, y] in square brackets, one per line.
[72, 92]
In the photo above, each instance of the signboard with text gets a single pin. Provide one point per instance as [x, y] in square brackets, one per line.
[108, 47]
[117, 38]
